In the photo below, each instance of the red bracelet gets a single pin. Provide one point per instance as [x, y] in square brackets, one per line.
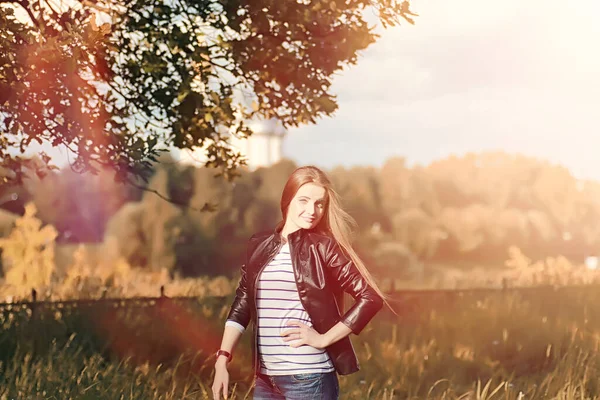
[224, 353]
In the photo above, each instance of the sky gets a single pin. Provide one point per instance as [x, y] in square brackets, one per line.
[469, 76]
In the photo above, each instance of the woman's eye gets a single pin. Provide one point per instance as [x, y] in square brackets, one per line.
[303, 201]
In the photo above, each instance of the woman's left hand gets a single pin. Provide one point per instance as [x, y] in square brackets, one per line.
[303, 335]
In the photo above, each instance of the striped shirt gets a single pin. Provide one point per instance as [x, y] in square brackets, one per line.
[277, 303]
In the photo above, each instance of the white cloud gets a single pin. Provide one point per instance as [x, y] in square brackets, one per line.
[516, 76]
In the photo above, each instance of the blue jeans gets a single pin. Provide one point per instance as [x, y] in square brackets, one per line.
[317, 386]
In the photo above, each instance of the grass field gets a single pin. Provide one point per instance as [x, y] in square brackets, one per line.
[536, 344]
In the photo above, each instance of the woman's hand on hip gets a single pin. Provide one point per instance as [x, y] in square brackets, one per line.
[221, 381]
[302, 334]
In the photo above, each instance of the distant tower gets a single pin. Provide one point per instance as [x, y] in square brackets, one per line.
[262, 149]
[265, 147]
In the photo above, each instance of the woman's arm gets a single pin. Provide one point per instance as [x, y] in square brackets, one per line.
[367, 304]
[337, 332]
[350, 280]
[231, 336]
[237, 320]
[240, 311]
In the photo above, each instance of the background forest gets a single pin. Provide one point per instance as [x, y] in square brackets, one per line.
[460, 221]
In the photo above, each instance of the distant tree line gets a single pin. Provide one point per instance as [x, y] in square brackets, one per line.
[457, 210]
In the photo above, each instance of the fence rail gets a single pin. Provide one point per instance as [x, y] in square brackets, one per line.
[396, 296]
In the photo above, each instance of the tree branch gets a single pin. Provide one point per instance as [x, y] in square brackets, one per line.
[205, 207]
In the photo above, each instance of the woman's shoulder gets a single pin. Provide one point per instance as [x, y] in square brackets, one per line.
[258, 241]
[260, 237]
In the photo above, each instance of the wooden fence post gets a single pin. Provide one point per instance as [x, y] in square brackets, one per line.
[33, 337]
[160, 303]
[33, 302]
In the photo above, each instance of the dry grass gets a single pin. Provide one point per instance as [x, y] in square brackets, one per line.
[536, 344]
[540, 344]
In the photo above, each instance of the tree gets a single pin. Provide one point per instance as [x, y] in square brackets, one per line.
[169, 73]
[29, 250]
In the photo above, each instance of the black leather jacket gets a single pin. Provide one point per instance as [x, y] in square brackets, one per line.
[323, 272]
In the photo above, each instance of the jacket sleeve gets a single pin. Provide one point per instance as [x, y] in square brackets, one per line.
[240, 311]
[367, 301]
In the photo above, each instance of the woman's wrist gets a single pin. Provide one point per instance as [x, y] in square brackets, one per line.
[325, 340]
[223, 356]
[221, 362]
[337, 332]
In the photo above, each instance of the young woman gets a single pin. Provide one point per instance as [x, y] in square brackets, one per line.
[291, 288]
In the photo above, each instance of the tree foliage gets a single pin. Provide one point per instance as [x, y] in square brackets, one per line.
[182, 73]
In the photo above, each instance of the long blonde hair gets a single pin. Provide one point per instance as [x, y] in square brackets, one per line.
[335, 220]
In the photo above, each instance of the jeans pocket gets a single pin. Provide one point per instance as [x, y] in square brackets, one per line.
[306, 378]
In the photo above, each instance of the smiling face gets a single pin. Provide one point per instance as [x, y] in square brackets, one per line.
[306, 208]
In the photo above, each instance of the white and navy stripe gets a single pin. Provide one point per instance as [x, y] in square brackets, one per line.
[278, 302]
